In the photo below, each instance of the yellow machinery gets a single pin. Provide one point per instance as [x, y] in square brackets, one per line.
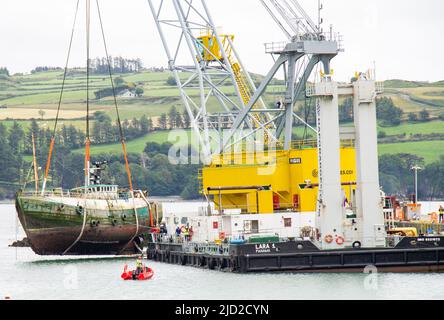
[210, 51]
[209, 48]
[272, 182]
[404, 232]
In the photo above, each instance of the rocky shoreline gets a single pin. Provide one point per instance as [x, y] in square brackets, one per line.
[21, 243]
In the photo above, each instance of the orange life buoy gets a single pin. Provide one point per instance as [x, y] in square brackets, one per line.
[340, 240]
[329, 238]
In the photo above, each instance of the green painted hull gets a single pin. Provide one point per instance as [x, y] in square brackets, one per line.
[53, 225]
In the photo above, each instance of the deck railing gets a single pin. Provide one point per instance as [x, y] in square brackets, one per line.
[119, 195]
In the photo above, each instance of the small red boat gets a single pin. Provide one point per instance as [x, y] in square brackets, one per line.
[146, 274]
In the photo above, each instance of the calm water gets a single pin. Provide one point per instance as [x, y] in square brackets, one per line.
[24, 275]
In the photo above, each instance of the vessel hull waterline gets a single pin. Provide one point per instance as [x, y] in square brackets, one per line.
[54, 224]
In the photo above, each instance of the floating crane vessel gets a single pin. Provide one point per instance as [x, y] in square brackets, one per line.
[311, 205]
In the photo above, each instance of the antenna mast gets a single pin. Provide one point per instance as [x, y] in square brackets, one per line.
[320, 20]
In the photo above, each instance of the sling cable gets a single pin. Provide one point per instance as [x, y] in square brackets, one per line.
[88, 138]
[51, 145]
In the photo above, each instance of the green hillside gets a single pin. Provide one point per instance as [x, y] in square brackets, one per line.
[136, 145]
[431, 151]
[22, 98]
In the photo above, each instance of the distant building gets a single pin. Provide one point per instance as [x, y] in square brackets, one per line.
[127, 94]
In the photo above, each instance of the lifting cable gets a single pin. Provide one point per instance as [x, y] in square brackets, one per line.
[119, 123]
[51, 146]
[88, 140]
[87, 146]
[122, 136]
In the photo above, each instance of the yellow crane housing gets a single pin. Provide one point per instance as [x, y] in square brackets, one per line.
[275, 180]
[210, 51]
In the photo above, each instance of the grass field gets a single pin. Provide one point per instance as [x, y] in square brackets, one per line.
[430, 150]
[25, 95]
[133, 146]
[41, 91]
[415, 128]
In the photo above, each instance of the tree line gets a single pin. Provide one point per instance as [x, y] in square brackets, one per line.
[104, 130]
[99, 65]
[119, 64]
[174, 120]
[150, 171]
[152, 168]
[153, 171]
[45, 69]
[396, 176]
[386, 111]
[4, 71]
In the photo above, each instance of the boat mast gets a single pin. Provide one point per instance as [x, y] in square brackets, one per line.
[34, 158]
[88, 141]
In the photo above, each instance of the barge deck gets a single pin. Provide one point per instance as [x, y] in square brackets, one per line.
[420, 254]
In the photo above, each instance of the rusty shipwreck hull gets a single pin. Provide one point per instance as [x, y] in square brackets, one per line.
[53, 226]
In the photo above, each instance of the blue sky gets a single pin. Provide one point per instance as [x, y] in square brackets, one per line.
[404, 37]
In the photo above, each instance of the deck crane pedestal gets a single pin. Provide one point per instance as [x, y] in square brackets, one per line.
[367, 228]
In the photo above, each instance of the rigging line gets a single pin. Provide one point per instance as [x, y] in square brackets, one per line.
[51, 147]
[122, 137]
[110, 72]
[83, 226]
[66, 68]
[87, 144]
[88, 24]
